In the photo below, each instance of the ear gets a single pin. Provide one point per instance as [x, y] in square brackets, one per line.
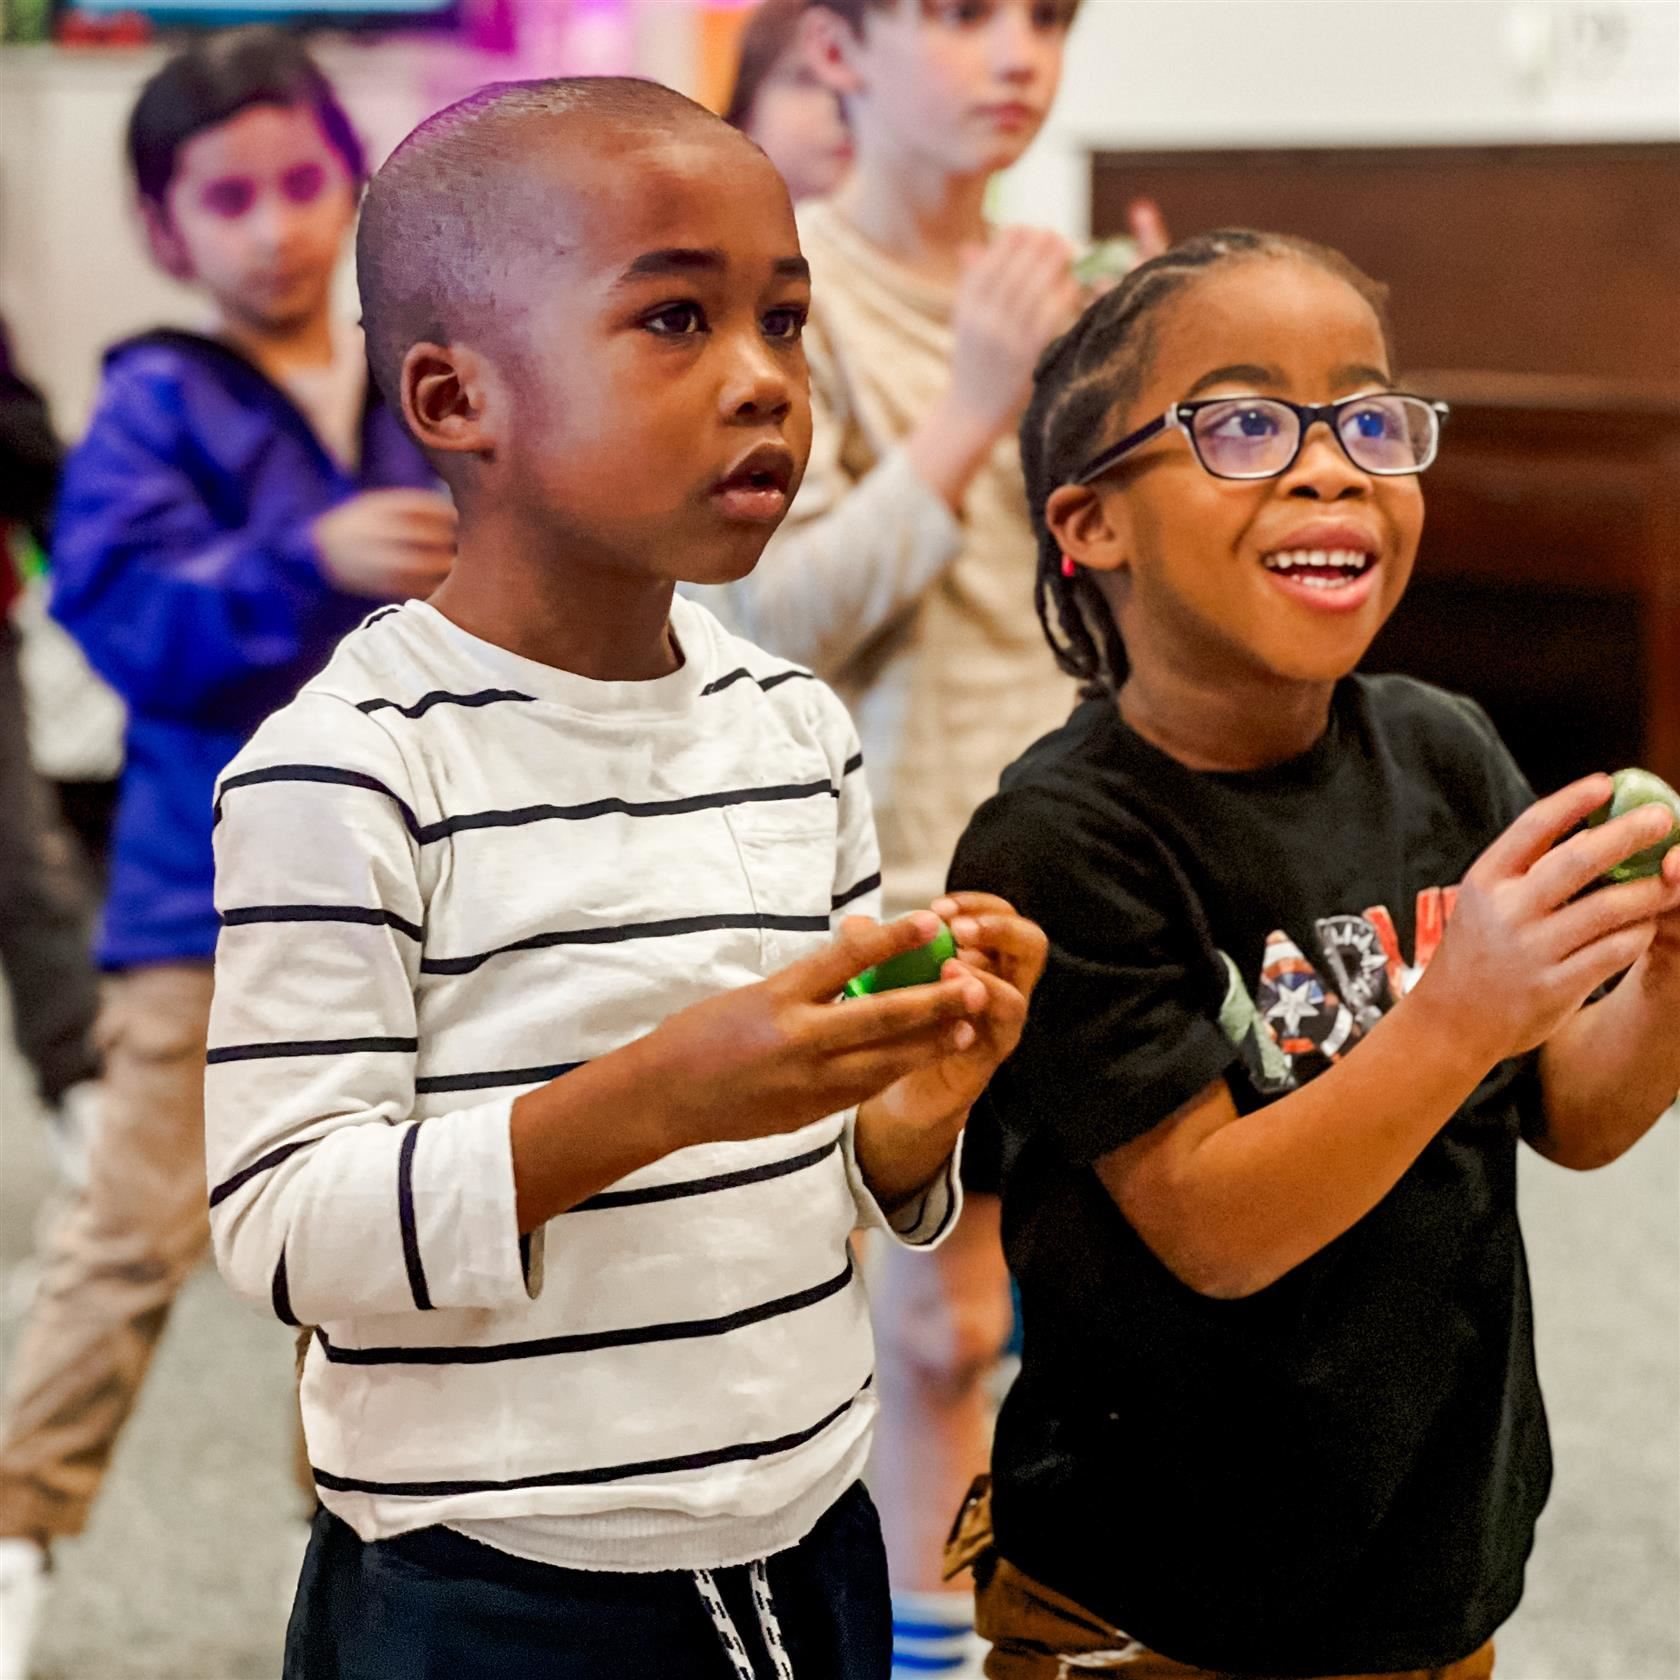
[168, 250]
[446, 391]
[826, 42]
[1093, 530]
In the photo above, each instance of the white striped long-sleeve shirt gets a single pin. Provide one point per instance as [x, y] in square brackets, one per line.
[447, 874]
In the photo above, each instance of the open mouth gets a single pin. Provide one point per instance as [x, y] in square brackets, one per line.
[1320, 569]
[756, 487]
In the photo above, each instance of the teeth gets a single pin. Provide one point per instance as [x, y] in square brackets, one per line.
[1344, 559]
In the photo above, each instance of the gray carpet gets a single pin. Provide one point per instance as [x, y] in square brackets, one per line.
[187, 1566]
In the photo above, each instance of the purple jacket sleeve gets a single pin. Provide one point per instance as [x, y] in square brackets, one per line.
[175, 609]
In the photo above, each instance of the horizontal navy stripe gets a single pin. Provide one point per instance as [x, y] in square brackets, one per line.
[327, 773]
[373, 618]
[491, 1080]
[670, 928]
[246, 915]
[593, 1341]
[705, 1186]
[867, 885]
[855, 762]
[262, 1164]
[741, 674]
[708, 1460]
[307, 1047]
[784, 792]
[485, 697]
[427, 833]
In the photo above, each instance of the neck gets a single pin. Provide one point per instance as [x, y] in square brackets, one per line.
[1241, 721]
[911, 208]
[281, 349]
[510, 586]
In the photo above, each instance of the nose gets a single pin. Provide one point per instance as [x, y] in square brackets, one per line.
[757, 389]
[1323, 471]
[271, 222]
[1014, 42]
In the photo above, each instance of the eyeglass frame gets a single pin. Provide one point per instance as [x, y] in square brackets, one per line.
[1181, 415]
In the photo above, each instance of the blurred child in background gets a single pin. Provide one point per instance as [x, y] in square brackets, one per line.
[781, 102]
[240, 501]
[903, 576]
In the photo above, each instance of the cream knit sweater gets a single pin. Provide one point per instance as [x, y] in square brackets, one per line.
[924, 623]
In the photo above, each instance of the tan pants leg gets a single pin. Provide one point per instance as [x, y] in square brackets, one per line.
[1037, 1633]
[117, 1259]
[1040, 1635]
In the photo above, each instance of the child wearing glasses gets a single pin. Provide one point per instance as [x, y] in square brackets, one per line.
[1319, 960]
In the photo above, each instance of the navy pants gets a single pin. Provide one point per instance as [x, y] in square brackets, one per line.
[434, 1605]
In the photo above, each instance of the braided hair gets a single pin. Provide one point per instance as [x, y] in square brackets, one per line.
[1088, 376]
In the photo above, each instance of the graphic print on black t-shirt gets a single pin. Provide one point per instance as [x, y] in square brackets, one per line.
[1301, 1025]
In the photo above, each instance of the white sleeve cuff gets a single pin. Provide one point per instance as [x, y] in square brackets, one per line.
[926, 1219]
[465, 1249]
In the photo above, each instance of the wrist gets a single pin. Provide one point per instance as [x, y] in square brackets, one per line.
[899, 1158]
[950, 446]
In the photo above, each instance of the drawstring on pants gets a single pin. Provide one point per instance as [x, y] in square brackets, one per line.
[730, 1635]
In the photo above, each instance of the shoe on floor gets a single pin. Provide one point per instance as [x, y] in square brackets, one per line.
[23, 1589]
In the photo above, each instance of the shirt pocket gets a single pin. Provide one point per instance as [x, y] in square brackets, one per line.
[787, 851]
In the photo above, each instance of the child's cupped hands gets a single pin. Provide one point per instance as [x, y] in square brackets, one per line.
[1534, 932]
[1006, 953]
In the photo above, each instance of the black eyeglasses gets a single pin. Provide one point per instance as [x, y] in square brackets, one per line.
[1386, 433]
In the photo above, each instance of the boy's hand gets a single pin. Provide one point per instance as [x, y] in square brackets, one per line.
[1527, 944]
[778, 1055]
[1016, 294]
[389, 545]
[905, 1133]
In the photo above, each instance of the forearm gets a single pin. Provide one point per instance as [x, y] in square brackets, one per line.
[1252, 1198]
[587, 1129]
[853, 558]
[1611, 1070]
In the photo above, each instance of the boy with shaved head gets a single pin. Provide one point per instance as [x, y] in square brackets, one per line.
[527, 1087]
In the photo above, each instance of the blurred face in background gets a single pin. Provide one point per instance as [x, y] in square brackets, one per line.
[798, 122]
[962, 84]
[257, 213]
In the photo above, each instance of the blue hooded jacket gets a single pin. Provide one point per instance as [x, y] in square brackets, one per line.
[183, 564]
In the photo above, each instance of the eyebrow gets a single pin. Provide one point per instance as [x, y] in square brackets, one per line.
[1243, 373]
[1361, 373]
[687, 259]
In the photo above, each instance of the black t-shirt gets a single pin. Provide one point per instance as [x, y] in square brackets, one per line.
[1341, 1473]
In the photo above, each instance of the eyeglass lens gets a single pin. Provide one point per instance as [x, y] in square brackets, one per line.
[1254, 437]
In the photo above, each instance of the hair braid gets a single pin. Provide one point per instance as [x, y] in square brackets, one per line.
[1081, 382]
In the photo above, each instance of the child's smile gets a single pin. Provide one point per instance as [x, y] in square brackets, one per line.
[1284, 577]
[1327, 565]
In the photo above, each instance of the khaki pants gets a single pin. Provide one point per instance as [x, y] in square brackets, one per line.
[1037, 1634]
[118, 1257]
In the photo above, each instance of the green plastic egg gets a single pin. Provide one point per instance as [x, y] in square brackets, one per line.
[1634, 788]
[910, 968]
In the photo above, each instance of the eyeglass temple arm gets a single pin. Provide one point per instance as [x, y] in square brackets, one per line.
[1100, 463]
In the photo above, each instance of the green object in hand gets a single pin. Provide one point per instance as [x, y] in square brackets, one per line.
[909, 968]
[1635, 788]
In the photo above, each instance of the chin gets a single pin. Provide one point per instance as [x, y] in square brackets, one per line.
[720, 568]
